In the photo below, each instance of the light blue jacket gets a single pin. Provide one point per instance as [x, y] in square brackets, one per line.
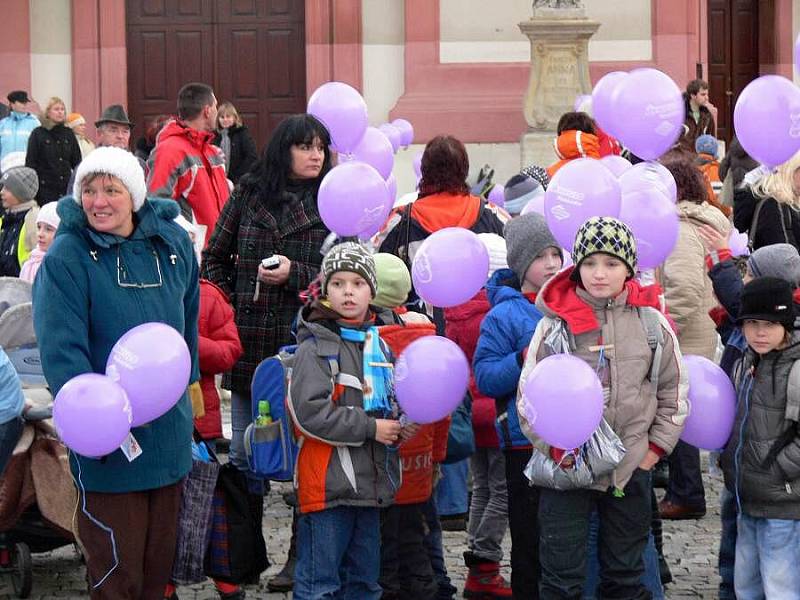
[11, 398]
[15, 130]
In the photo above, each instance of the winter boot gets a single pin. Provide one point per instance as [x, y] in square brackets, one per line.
[284, 580]
[484, 581]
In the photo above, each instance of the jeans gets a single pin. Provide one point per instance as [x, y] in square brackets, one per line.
[686, 477]
[10, 431]
[767, 559]
[406, 570]
[564, 522]
[488, 511]
[652, 575]
[241, 417]
[523, 521]
[727, 544]
[337, 554]
[433, 545]
[451, 491]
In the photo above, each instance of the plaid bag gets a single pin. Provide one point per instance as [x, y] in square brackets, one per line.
[194, 523]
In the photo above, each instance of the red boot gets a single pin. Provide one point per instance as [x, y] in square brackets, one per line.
[484, 581]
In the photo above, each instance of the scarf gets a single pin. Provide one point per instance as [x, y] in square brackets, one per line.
[225, 146]
[378, 388]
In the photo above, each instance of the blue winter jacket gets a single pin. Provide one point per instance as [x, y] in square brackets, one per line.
[89, 291]
[505, 332]
[728, 285]
[15, 130]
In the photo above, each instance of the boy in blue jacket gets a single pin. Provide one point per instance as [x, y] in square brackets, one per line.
[534, 257]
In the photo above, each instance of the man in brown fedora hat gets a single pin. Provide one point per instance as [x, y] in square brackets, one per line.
[113, 127]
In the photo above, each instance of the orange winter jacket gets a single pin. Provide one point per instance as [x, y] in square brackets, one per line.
[572, 144]
[429, 446]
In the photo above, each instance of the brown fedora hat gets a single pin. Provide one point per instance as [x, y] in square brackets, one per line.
[114, 114]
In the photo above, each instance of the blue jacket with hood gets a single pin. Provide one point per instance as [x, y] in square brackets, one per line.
[505, 333]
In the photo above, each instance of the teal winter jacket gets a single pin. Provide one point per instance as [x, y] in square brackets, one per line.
[92, 288]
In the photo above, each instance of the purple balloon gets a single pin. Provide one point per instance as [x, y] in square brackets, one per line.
[602, 105]
[391, 185]
[581, 101]
[738, 243]
[152, 364]
[797, 54]
[767, 119]
[417, 164]
[430, 378]
[92, 415]
[375, 149]
[406, 132]
[563, 401]
[712, 401]
[343, 111]
[654, 222]
[394, 135]
[649, 112]
[497, 195]
[535, 204]
[352, 198]
[450, 267]
[580, 189]
[616, 164]
[646, 175]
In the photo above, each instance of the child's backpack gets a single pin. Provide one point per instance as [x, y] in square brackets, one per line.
[272, 448]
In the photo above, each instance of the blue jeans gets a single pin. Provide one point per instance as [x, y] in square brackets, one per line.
[651, 578]
[9, 436]
[451, 491]
[338, 554]
[241, 417]
[727, 544]
[767, 558]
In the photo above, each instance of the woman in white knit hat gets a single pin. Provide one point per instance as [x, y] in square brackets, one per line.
[119, 260]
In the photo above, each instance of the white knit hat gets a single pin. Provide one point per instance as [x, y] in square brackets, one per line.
[117, 162]
[47, 214]
[496, 246]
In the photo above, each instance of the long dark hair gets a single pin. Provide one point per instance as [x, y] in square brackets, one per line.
[270, 175]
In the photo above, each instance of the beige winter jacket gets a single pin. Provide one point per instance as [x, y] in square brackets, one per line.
[687, 288]
[637, 413]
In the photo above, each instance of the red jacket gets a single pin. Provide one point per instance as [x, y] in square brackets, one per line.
[429, 446]
[219, 349]
[464, 328]
[187, 167]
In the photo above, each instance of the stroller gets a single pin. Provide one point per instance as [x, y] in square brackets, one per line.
[37, 495]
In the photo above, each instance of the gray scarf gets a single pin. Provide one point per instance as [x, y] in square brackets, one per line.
[225, 145]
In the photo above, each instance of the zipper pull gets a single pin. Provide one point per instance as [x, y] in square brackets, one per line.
[788, 488]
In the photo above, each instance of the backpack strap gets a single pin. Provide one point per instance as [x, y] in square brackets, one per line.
[655, 339]
[751, 233]
[793, 393]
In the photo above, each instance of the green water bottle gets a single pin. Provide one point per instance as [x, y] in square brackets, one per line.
[264, 416]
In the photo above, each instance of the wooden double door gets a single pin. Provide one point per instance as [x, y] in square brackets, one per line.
[252, 52]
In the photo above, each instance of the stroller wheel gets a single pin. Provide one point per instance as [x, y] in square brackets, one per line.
[22, 573]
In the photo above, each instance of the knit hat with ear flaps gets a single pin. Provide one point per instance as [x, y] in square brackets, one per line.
[117, 162]
[349, 256]
[768, 299]
[606, 235]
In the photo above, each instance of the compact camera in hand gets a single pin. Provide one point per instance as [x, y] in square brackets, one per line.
[271, 263]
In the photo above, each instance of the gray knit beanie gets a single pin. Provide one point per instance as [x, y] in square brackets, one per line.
[526, 236]
[776, 260]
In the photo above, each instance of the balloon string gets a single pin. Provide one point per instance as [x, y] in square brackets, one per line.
[101, 525]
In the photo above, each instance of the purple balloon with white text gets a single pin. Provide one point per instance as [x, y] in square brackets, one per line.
[353, 198]
[563, 401]
[152, 364]
[92, 415]
[580, 189]
[712, 404]
[343, 111]
[430, 378]
[450, 266]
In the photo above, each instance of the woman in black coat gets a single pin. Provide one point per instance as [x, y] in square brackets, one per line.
[769, 209]
[235, 141]
[53, 152]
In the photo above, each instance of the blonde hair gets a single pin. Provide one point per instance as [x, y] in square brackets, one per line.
[226, 108]
[51, 103]
[780, 184]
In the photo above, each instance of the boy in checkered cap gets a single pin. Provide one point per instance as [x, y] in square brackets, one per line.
[599, 313]
[342, 403]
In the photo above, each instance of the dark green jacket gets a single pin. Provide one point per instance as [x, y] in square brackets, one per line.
[81, 310]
